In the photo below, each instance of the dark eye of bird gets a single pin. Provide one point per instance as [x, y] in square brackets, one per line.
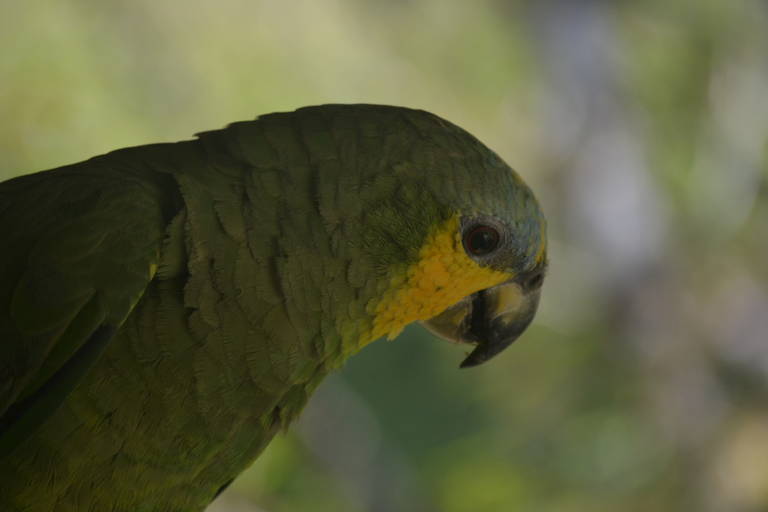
[481, 240]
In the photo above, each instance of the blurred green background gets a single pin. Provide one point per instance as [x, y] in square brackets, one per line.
[642, 126]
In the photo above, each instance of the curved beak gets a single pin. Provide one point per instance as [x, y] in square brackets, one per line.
[491, 319]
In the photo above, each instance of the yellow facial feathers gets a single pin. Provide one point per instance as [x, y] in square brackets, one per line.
[442, 276]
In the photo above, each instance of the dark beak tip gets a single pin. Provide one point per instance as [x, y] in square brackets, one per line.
[494, 338]
[469, 363]
[485, 351]
[477, 357]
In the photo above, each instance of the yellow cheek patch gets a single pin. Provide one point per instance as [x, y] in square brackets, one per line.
[443, 275]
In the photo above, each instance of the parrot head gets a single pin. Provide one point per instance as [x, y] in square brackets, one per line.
[510, 257]
[457, 235]
[492, 318]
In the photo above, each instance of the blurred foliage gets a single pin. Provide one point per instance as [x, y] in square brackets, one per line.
[643, 128]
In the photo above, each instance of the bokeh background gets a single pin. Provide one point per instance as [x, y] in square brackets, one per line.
[642, 126]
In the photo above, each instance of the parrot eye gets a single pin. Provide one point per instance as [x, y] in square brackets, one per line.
[481, 240]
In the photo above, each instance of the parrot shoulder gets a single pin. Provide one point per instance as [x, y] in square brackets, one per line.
[81, 244]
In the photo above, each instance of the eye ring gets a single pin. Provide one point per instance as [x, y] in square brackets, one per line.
[481, 240]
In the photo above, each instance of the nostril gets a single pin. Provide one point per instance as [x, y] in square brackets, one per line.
[534, 281]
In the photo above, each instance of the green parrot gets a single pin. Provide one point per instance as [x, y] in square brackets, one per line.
[166, 309]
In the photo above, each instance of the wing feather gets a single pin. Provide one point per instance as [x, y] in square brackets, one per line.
[80, 244]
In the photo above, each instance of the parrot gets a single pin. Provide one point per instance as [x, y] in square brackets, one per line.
[166, 309]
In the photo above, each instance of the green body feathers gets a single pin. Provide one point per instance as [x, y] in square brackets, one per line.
[166, 309]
